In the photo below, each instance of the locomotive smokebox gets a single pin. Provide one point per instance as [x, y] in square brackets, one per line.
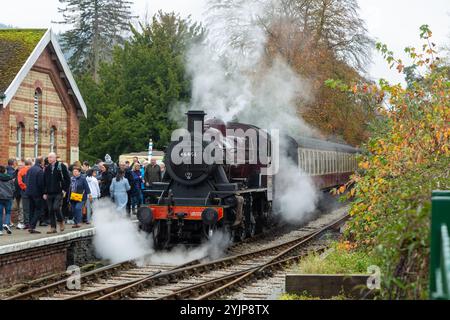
[195, 117]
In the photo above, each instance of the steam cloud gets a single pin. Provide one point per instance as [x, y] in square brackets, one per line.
[232, 80]
[117, 237]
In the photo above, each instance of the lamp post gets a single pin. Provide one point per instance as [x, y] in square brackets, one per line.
[150, 150]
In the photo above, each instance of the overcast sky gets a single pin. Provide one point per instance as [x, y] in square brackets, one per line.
[394, 22]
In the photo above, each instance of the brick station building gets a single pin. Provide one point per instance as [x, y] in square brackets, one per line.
[40, 104]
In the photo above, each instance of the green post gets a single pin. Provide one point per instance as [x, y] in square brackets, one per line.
[440, 215]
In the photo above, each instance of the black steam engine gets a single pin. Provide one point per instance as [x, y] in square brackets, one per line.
[198, 197]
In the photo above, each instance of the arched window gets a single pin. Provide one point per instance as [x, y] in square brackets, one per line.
[53, 139]
[20, 143]
[37, 102]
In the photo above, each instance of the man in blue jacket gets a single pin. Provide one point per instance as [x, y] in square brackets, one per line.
[35, 190]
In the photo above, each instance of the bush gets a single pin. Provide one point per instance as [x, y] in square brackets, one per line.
[405, 159]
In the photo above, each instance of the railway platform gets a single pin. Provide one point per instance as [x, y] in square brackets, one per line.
[25, 256]
[22, 239]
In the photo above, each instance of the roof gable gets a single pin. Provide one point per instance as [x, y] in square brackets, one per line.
[47, 38]
[16, 45]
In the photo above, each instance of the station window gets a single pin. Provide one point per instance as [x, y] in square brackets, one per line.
[20, 144]
[53, 139]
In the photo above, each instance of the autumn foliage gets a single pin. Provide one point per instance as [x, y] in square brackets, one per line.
[406, 158]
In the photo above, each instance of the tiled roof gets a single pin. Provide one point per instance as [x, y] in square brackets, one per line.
[16, 45]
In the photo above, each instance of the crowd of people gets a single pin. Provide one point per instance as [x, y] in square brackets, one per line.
[48, 192]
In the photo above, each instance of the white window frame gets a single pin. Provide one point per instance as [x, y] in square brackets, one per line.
[19, 141]
[52, 139]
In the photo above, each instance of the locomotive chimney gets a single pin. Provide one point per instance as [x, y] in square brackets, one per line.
[195, 116]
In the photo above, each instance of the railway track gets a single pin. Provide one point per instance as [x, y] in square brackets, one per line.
[196, 279]
[212, 279]
[261, 263]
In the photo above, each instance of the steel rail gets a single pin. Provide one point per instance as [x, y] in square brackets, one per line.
[93, 294]
[52, 287]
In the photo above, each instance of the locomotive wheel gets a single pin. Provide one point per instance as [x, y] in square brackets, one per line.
[156, 233]
[251, 230]
[209, 231]
[239, 234]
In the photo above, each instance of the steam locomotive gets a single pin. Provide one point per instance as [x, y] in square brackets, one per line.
[229, 183]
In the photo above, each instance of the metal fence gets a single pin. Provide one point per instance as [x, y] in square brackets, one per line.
[440, 246]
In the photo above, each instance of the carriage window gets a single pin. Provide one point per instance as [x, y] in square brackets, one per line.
[308, 152]
[332, 162]
[301, 162]
[338, 162]
[300, 159]
[306, 161]
[316, 162]
[335, 161]
[322, 169]
[320, 162]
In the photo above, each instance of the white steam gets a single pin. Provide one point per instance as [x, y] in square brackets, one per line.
[233, 79]
[116, 237]
[213, 249]
[296, 197]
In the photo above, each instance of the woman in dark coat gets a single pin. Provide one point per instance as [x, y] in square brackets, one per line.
[78, 186]
[105, 181]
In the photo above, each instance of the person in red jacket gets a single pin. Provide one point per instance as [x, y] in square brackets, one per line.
[24, 210]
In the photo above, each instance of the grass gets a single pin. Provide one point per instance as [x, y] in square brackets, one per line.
[336, 261]
[306, 296]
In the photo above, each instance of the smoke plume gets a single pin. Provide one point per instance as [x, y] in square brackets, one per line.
[233, 79]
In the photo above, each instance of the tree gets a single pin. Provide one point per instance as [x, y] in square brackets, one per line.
[98, 25]
[145, 78]
[319, 39]
[322, 39]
